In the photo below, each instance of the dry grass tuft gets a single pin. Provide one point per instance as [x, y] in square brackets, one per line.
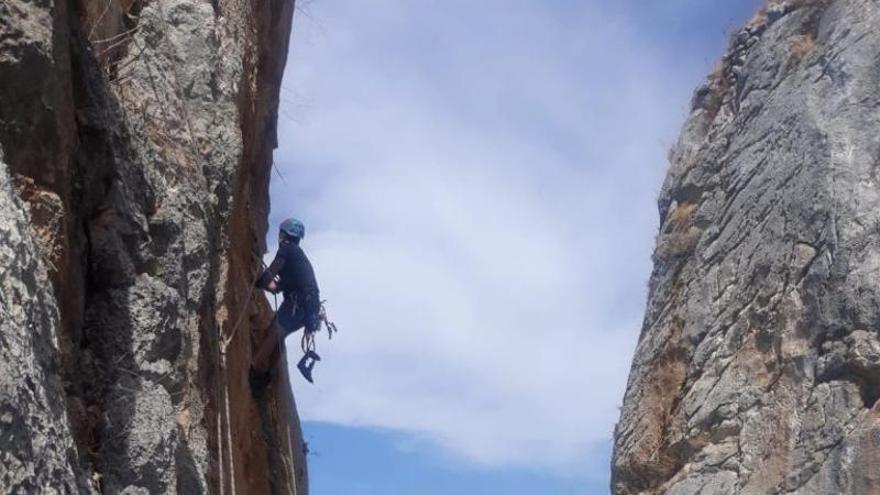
[681, 218]
[677, 245]
[759, 19]
[801, 46]
[718, 88]
[680, 235]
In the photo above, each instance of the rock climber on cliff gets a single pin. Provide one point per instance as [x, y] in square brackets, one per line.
[290, 274]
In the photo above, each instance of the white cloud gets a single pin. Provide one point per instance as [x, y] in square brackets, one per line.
[479, 186]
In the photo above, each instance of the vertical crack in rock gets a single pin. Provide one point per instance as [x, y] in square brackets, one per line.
[758, 366]
[136, 139]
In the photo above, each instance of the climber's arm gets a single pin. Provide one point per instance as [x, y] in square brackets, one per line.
[267, 279]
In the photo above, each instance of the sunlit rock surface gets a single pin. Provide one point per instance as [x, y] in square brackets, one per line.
[758, 367]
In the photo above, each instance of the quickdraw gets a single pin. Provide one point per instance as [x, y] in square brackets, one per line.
[323, 318]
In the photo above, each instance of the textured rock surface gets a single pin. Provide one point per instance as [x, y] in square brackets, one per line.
[36, 446]
[758, 367]
[136, 141]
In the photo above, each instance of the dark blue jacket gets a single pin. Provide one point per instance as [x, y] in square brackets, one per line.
[295, 274]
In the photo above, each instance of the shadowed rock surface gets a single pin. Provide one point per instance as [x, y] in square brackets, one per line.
[136, 141]
[758, 367]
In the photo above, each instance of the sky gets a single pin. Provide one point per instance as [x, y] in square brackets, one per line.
[478, 182]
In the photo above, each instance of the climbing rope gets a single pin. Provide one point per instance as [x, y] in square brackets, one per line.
[308, 342]
[243, 312]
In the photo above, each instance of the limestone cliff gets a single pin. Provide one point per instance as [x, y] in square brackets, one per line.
[758, 367]
[136, 139]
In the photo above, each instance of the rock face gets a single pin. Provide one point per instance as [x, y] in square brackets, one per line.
[136, 140]
[758, 367]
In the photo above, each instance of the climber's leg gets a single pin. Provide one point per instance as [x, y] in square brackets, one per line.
[286, 321]
[261, 361]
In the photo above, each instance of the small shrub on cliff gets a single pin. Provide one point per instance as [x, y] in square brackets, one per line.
[801, 46]
[680, 235]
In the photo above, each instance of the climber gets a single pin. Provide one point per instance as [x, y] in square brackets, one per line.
[292, 275]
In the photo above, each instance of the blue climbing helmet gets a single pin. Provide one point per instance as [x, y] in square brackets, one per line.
[293, 228]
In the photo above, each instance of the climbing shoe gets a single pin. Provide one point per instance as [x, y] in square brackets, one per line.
[307, 363]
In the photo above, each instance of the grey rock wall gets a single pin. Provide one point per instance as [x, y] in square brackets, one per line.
[757, 368]
[36, 446]
[138, 139]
